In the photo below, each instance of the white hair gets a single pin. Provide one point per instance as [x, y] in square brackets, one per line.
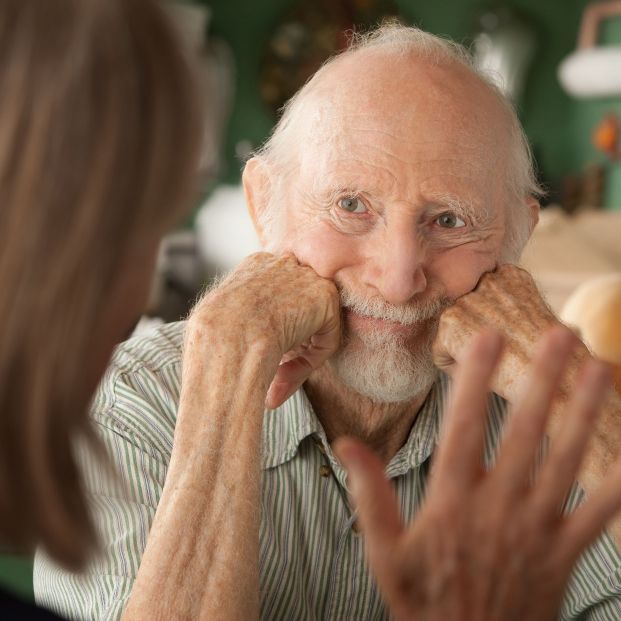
[399, 40]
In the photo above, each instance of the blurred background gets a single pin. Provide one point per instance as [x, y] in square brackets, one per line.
[558, 60]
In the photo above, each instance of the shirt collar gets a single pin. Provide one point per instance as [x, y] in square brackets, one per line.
[285, 427]
[288, 425]
[425, 431]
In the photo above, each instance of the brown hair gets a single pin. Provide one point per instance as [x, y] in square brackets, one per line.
[99, 139]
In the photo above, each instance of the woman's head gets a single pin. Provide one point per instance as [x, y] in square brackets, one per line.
[99, 139]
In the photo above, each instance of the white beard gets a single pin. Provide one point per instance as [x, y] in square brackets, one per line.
[381, 365]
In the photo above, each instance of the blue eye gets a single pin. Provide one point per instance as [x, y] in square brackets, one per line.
[352, 204]
[449, 220]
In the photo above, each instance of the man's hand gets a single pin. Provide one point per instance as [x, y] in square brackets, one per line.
[506, 300]
[279, 305]
[489, 545]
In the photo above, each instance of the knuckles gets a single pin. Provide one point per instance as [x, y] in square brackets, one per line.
[501, 295]
[506, 279]
[274, 296]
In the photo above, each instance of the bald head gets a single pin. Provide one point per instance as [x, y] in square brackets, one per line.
[407, 97]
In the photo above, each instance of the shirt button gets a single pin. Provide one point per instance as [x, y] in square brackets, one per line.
[355, 527]
[324, 471]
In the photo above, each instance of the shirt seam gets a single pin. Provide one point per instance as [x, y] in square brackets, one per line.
[138, 365]
[120, 498]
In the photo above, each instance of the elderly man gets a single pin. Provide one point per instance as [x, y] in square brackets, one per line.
[395, 185]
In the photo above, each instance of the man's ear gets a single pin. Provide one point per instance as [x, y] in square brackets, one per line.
[257, 185]
[534, 208]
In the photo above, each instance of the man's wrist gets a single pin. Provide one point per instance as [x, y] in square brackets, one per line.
[210, 345]
[225, 379]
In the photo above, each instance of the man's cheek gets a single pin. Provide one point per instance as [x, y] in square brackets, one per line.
[323, 249]
[459, 270]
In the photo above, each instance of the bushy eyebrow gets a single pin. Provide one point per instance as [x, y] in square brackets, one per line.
[328, 195]
[479, 214]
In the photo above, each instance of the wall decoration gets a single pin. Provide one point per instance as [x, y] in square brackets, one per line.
[309, 33]
[606, 136]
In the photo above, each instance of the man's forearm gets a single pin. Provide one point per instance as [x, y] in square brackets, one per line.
[201, 559]
[202, 556]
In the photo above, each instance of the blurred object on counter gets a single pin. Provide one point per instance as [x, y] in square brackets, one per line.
[606, 135]
[584, 191]
[565, 251]
[592, 70]
[224, 230]
[594, 311]
[179, 277]
[311, 31]
[593, 186]
[504, 48]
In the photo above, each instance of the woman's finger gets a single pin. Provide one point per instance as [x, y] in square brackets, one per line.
[587, 522]
[374, 500]
[526, 428]
[459, 459]
[567, 449]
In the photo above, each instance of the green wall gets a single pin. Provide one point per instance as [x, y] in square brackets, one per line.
[558, 127]
[587, 113]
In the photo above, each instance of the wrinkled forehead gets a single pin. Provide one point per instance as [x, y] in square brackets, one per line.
[409, 110]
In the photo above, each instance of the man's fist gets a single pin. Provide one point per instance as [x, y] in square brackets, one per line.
[275, 303]
[506, 300]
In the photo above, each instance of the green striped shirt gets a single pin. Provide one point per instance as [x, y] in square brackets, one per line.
[312, 559]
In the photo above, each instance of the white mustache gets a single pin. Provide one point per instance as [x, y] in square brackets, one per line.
[406, 314]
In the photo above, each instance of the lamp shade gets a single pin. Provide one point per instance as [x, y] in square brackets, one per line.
[592, 72]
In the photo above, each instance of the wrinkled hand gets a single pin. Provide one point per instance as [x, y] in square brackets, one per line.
[279, 304]
[506, 300]
[489, 546]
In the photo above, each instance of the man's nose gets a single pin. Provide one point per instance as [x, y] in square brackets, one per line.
[399, 273]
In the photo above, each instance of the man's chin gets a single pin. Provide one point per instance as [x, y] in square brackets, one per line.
[385, 372]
